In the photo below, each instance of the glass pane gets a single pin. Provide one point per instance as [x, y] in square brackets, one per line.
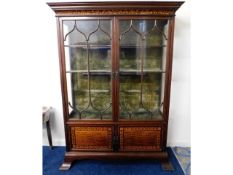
[142, 68]
[129, 95]
[152, 59]
[101, 95]
[100, 59]
[88, 67]
[76, 58]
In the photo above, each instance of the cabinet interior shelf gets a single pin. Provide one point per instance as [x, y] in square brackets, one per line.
[136, 91]
[108, 91]
[94, 90]
[138, 46]
[92, 72]
[101, 46]
[91, 46]
[121, 72]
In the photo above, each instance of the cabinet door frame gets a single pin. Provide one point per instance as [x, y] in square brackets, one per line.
[168, 68]
[62, 62]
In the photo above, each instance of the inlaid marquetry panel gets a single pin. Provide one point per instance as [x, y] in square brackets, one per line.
[140, 138]
[91, 138]
[115, 12]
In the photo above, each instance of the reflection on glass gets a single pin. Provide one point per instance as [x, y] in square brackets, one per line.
[142, 60]
[88, 64]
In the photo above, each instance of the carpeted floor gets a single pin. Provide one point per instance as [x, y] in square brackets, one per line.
[52, 159]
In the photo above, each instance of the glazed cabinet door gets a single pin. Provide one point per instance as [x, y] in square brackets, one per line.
[142, 62]
[142, 73]
[88, 59]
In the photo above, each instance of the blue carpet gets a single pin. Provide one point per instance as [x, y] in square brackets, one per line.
[52, 159]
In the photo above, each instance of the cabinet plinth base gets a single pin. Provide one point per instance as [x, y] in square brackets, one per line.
[73, 155]
[167, 166]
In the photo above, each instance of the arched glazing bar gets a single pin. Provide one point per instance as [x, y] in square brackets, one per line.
[87, 39]
[142, 47]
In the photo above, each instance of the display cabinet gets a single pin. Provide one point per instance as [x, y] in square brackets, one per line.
[115, 69]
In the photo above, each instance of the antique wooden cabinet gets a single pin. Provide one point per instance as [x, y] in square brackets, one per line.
[115, 68]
